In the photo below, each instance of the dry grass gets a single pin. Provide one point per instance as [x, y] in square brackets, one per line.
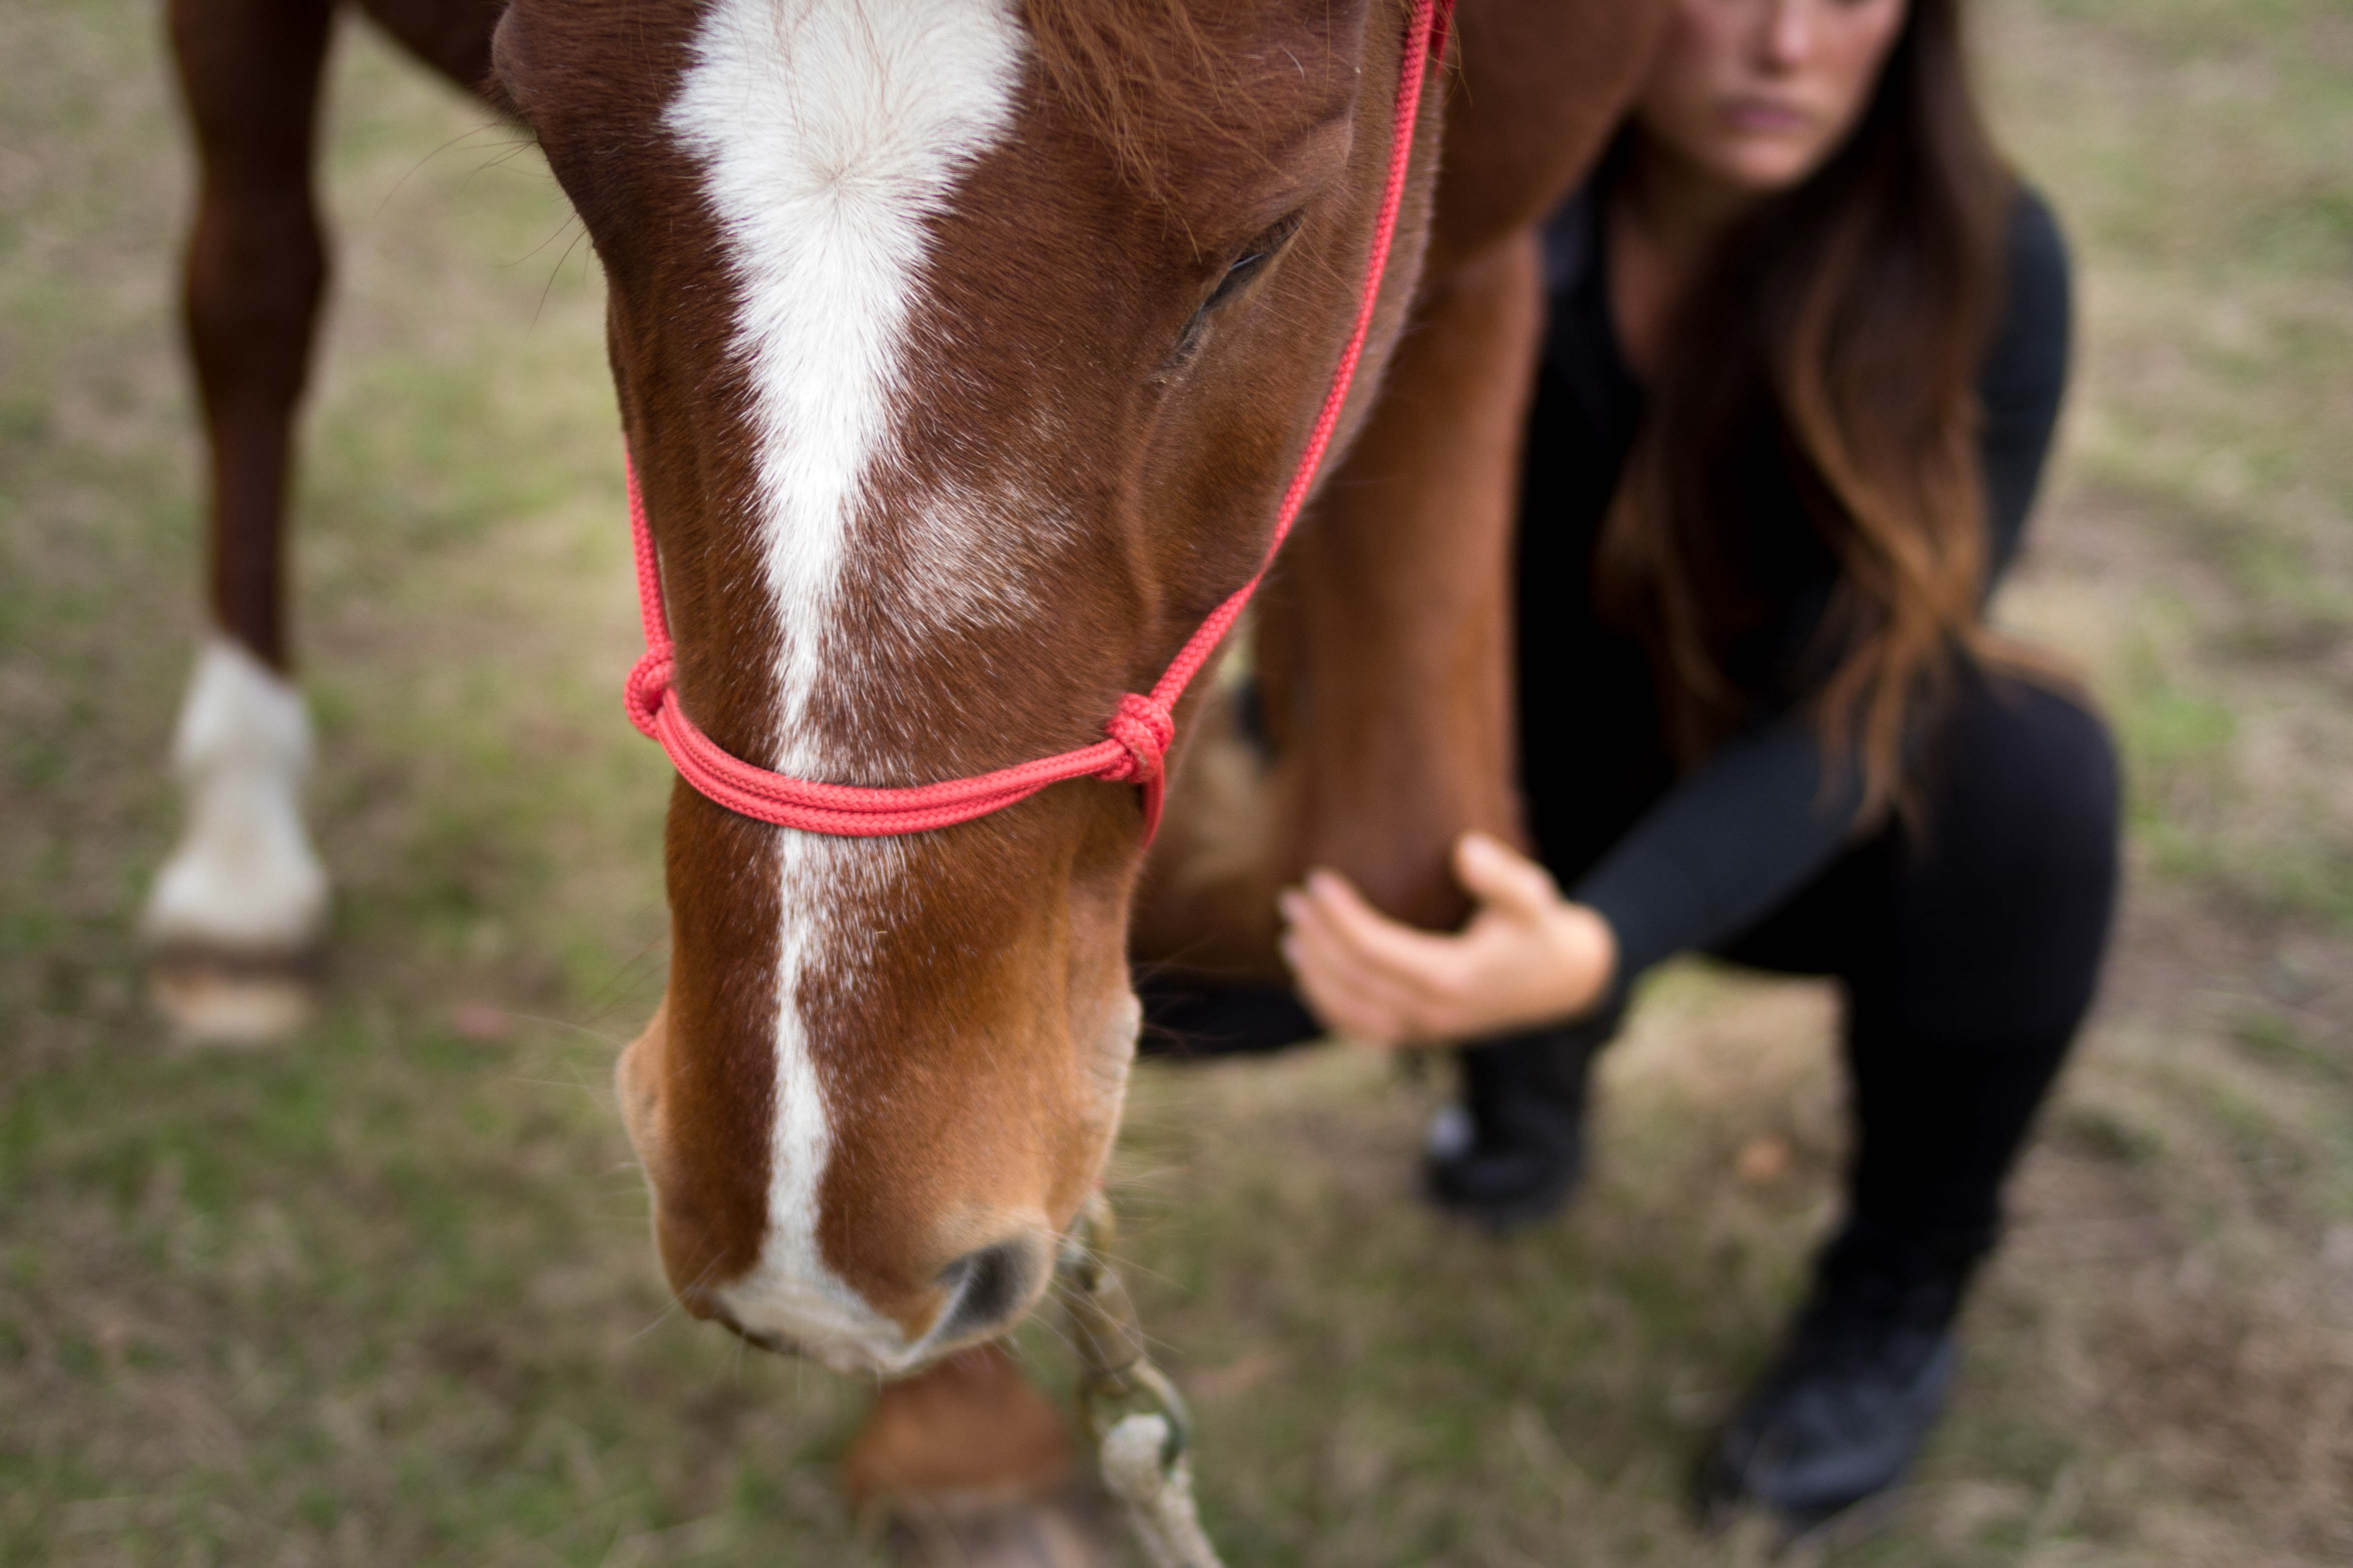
[384, 1298]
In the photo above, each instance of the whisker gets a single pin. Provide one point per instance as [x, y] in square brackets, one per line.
[557, 273]
[598, 1036]
[463, 136]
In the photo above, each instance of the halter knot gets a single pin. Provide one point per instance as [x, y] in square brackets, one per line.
[1144, 728]
[648, 684]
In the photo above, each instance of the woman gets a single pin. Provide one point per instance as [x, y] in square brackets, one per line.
[1807, 344]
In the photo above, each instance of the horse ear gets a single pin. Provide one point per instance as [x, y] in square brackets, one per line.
[511, 75]
[591, 79]
[587, 59]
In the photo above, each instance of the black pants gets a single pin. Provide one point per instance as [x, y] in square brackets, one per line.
[1968, 949]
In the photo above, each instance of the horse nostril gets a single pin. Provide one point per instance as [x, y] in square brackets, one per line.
[987, 1288]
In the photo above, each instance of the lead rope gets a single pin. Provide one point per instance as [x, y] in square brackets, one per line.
[1143, 1435]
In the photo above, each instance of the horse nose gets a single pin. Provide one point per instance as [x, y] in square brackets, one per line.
[988, 1289]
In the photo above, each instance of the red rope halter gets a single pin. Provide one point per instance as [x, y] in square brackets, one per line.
[1139, 732]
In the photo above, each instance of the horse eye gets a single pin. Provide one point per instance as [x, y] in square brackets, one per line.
[1239, 273]
[1245, 267]
[1252, 260]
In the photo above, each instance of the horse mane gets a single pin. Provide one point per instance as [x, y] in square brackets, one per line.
[1145, 77]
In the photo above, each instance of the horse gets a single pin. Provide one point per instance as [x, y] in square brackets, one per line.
[963, 349]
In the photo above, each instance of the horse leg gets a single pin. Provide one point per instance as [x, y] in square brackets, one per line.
[1384, 642]
[241, 903]
[971, 1465]
[1382, 656]
[1389, 673]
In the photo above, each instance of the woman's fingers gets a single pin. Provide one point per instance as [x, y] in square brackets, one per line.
[1364, 974]
[1343, 1011]
[1347, 1002]
[1416, 958]
[1494, 873]
[1528, 956]
[1339, 965]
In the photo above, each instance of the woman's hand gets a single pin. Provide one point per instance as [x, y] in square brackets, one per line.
[1528, 956]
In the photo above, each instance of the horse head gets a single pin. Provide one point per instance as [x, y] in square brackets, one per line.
[964, 347]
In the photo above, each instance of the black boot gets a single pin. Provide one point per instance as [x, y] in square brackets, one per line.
[1511, 1153]
[1858, 1386]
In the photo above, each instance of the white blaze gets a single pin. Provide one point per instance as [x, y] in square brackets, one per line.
[830, 134]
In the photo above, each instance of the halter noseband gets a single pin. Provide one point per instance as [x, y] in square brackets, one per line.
[1138, 734]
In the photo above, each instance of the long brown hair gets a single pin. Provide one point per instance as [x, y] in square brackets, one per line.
[1829, 345]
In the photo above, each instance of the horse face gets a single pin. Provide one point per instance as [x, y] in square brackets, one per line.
[964, 347]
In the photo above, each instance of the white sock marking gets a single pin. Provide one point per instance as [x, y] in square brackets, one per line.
[244, 878]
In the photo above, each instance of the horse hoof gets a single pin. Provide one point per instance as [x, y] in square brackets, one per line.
[210, 1000]
[971, 1432]
[967, 1464]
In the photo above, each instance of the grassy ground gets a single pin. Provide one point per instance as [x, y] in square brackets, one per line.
[385, 1297]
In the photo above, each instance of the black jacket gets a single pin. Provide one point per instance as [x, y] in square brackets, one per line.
[1723, 844]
